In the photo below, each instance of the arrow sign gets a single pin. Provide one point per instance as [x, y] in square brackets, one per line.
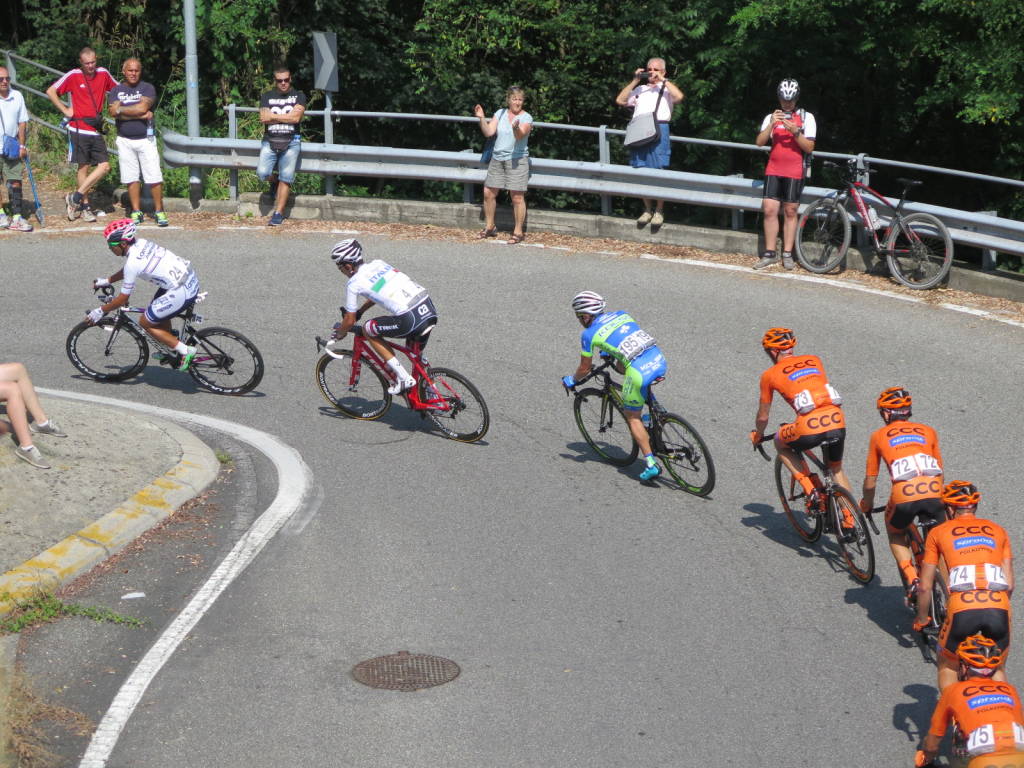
[325, 61]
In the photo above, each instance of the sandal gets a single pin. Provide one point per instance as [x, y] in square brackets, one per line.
[516, 239]
[484, 233]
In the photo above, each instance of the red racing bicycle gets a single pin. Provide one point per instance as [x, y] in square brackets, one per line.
[355, 381]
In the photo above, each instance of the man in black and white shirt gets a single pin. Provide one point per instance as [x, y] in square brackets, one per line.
[281, 109]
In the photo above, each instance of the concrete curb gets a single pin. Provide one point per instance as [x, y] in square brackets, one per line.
[68, 559]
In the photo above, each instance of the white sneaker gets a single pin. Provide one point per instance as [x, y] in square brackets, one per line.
[32, 456]
[18, 224]
[4, 221]
[657, 219]
[88, 214]
[644, 218]
[402, 385]
[51, 428]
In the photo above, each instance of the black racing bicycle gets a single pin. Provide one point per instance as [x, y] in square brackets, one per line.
[831, 510]
[118, 348]
[602, 422]
[927, 638]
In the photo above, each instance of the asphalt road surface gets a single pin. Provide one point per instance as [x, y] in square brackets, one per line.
[597, 621]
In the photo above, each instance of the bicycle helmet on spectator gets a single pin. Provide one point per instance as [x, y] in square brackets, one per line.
[347, 252]
[120, 232]
[789, 89]
[980, 653]
[778, 338]
[588, 303]
[960, 494]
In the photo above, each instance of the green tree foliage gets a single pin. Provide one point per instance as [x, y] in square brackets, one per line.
[931, 81]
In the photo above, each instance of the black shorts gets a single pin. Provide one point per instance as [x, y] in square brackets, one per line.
[923, 509]
[783, 189]
[410, 324]
[87, 149]
[993, 623]
[832, 444]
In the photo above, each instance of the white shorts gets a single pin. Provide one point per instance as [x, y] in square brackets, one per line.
[139, 157]
[171, 303]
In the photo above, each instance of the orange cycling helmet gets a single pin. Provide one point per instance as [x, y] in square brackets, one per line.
[960, 494]
[980, 653]
[778, 338]
[894, 399]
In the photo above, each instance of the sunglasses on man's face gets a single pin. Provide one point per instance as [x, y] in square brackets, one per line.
[282, 79]
[5, 79]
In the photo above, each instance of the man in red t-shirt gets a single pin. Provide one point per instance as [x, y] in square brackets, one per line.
[791, 132]
[88, 86]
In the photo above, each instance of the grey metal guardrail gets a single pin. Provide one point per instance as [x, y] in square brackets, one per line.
[729, 192]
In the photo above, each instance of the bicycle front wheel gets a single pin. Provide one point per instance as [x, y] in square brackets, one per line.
[602, 423]
[361, 394]
[919, 251]
[107, 351]
[685, 455]
[854, 540]
[454, 405]
[807, 523]
[822, 236]
[226, 362]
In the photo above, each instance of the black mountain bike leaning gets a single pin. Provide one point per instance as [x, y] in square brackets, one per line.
[117, 348]
[825, 514]
[602, 422]
[917, 246]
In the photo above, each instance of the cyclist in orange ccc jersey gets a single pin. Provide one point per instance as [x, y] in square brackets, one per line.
[986, 713]
[802, 382]
[911, 452]
[980, 565]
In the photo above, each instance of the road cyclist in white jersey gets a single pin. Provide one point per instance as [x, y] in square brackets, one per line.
[175, 278]
[412, 311]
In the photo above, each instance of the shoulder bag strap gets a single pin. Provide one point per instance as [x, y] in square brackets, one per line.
[658, 102]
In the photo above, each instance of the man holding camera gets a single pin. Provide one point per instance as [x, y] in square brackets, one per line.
[88, 85]
[650, 91]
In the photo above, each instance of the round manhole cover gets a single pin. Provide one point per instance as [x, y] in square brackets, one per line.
[404, 671]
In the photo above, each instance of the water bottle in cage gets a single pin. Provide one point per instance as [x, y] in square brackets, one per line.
[876, 222]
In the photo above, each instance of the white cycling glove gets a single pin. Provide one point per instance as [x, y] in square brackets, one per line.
[100, 282]
[95, 315]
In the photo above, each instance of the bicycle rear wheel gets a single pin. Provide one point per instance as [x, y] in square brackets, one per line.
[822, 236]
[685, 455]
[806, 523]
[602, 423]
[457, 407]
[361, 395]
[226, 362]
[940, 601]
[919, 250]
[854, 543]
[107, 351]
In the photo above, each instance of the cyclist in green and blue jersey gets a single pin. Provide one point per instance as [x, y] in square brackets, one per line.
[637, 357]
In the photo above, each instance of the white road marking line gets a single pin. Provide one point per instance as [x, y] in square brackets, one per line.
[294, 483]
[983, 313]
[345, 232]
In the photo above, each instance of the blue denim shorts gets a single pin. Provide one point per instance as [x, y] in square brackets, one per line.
[286, 162]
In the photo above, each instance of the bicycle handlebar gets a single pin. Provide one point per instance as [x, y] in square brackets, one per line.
[760, 445]
[321, 344]
[600, 369]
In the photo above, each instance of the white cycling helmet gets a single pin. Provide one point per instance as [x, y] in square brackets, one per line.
[347, 252]
[789, 89]
[588, 302]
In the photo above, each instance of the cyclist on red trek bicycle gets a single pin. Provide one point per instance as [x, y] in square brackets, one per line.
[637, 357]
[801, 381]
[911, 452]
[986, 713]
[977, 556]
[412, 312]
[176, 279]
